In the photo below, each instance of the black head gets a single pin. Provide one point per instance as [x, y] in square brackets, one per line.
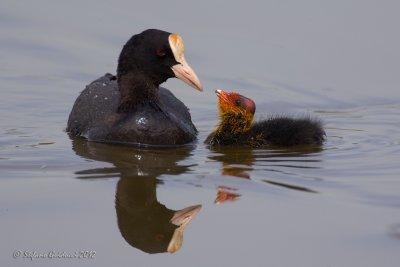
[158, 55]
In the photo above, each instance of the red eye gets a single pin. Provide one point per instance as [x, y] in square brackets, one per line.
[160, 52]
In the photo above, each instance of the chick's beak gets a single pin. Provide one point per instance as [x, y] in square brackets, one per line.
[185, 73]
[221, 94]
[218, 92]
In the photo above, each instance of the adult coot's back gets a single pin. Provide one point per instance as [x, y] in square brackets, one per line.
[131, 107]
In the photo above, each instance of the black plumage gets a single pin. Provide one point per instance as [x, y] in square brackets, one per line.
[287, 131]
[236, 126]
[131, 108]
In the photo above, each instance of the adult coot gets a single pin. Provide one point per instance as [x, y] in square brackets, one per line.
[131, 107]
[236, 126]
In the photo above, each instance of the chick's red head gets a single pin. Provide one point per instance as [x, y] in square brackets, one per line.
[232, 102]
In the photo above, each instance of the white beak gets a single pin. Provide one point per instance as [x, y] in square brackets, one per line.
[185, 73]
[182, 70]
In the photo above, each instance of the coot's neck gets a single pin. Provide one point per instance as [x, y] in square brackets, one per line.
[233, 126]
[136, 88]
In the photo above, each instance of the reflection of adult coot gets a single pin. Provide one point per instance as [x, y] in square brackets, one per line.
[143, 222]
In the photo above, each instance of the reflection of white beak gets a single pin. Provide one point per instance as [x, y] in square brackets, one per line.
[185, 73]
[184, 216]
[181, 218]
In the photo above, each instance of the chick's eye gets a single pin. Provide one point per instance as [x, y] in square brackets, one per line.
[160, 52]
[238, 103]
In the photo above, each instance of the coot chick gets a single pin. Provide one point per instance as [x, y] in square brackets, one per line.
[131, 107]
[236, 126]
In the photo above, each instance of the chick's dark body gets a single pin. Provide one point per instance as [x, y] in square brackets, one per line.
[286, 131]
[162, 120]
[275, 131]
[236, 126]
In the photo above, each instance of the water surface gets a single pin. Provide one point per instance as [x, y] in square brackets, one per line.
[334, 206]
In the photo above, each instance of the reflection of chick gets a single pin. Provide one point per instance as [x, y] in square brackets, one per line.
[235, 161]
[238, 162]
[226, 194]
[144, 222]
[236, 126]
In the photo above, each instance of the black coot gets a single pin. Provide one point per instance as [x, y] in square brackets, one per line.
[131, 107]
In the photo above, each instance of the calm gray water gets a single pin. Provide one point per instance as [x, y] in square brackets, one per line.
[338, 206]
